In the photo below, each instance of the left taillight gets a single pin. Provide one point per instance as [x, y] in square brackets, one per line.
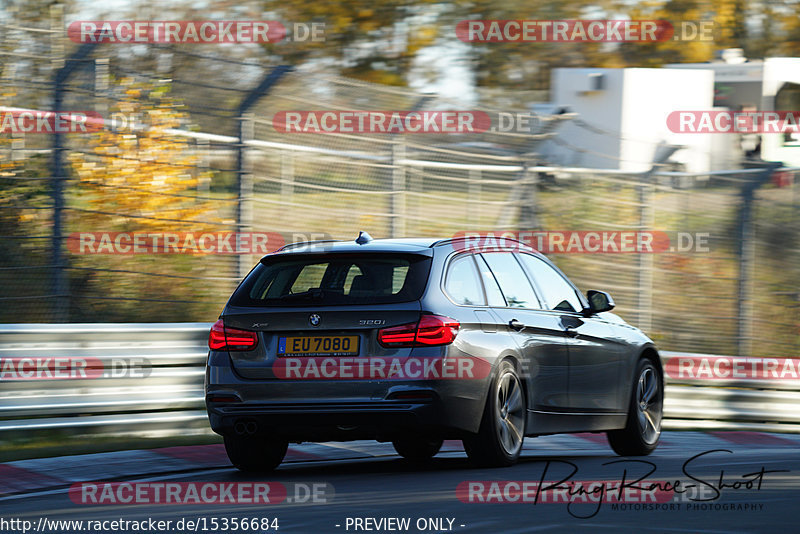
[430, 330]
[227, 338]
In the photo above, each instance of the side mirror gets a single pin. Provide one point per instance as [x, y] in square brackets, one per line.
[599, 301]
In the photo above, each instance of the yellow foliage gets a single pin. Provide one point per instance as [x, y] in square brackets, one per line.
[145, 173]
[7, 166]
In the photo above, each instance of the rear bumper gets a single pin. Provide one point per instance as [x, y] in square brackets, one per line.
[315, 422]
[340, 410]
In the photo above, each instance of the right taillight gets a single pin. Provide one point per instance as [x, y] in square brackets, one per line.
[227, 338]
[429, 331]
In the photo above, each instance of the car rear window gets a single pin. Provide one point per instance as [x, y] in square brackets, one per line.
[341, 279]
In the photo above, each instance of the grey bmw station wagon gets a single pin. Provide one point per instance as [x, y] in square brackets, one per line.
[415, 341]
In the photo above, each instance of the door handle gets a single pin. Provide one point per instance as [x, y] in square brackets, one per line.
[516, 325]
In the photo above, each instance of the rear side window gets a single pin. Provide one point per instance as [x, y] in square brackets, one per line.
[512, 279]
[556, 291]
[340, 279]
[493, 292]
[462, 283]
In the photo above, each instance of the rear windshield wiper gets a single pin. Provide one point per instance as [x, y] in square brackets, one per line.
[312, 294]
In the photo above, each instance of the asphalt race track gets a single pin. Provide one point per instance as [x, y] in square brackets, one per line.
[365, 487]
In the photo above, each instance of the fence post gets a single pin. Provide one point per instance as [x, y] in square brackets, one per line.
[397, 180]
[57, 35]
[60, 288]
[646, 192]
[101, 86]
[244, 189]
[644, 271]
[397, 207]
[527, 201]
[746, 254]
[202, 150]
[244, 178]
[474, 195]
[17, 144]
[287, 174]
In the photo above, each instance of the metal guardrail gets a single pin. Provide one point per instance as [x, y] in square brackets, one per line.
[169, 400]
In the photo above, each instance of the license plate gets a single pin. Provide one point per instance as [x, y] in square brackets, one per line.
[318, 346]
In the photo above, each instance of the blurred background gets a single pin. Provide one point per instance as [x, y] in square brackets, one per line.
[203, 155]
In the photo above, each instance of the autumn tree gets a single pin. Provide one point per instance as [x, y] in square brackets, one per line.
[676, 12]
[369, 40]
[729, 23]
[142, 177]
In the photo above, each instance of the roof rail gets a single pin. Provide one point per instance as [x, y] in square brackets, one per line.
[304, 243]
[442, 242]
[462, 238]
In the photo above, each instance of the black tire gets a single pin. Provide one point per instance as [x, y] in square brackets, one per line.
[417, 449]
[642, 430]
[499, 440]
[255, 454]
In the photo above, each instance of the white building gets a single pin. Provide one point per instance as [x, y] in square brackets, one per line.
[769, 85]
[623, 113]
[623, 117]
